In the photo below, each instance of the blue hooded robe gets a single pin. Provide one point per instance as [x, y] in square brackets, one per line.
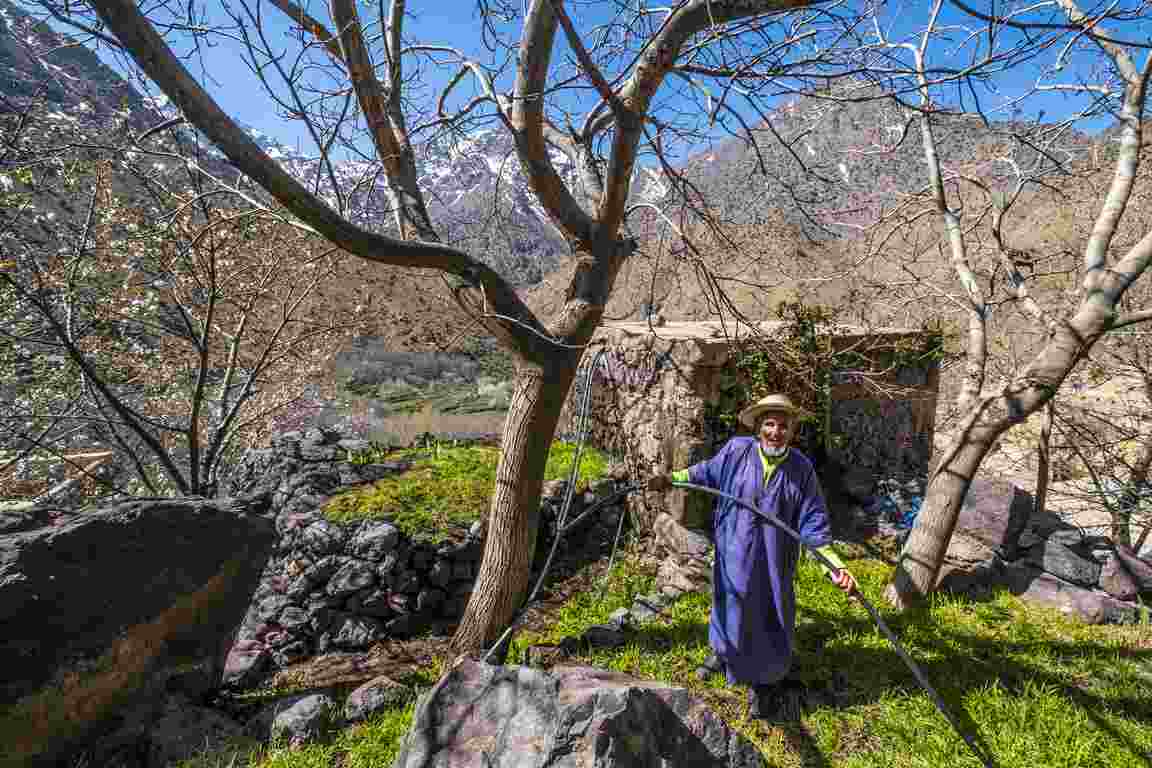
[753, 598]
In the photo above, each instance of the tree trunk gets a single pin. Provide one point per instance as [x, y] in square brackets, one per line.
[1044, 454]
[514, 516]
[1135, 492]
[923, 552]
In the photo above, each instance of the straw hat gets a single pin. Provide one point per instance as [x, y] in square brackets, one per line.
[777, 402]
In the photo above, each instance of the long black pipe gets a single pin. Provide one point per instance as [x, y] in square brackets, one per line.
[877, 619]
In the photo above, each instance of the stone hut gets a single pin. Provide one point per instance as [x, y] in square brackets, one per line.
[659, 393]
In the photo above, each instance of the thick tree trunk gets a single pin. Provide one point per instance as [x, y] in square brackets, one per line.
[513, 518]
[924, 551]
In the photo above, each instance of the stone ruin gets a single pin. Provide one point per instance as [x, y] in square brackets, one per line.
[658, 395]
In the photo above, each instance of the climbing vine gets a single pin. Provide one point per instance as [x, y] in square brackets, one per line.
[810, 356]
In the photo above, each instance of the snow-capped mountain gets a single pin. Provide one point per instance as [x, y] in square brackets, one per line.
[476, 193]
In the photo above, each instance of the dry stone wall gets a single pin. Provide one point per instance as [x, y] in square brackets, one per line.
[343, 587]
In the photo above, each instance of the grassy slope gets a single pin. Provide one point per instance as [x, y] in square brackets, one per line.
[1038, 689]
[446, 489]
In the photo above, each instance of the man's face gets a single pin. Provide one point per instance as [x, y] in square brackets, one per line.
[775, 432]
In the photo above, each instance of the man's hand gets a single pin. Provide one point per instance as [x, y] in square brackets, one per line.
[659, 483]
[843, 579]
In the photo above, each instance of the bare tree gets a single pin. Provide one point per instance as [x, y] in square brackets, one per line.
[161, 328]
[615, 69]
[974, 213]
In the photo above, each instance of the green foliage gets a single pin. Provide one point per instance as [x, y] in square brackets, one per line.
[447, 487]
[801, 359]
[1040, 689]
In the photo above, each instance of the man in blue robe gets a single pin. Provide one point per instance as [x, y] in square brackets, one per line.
[751, 630]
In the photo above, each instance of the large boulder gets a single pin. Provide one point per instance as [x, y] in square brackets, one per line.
[988, 527]
[98, 610]
[1092, 606]
[1138, 569]
[518, 717]
[1070, 563]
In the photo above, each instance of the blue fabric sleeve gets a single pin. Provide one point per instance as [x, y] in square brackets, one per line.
[710, 473]
[813, 518]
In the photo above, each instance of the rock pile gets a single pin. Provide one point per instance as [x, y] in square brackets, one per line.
[343, 587]
[999, 541]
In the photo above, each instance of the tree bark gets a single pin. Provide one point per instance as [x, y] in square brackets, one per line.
[1044, 454]
[924, 551]
[514, 516]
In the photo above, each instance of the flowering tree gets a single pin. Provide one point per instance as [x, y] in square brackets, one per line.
[168, 329]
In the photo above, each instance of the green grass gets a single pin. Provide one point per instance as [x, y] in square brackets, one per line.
[447, 488]
[1036, 688]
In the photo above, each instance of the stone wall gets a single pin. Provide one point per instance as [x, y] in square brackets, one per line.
[342, 587]
[657, 392]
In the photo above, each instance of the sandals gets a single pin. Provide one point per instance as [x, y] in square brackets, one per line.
[711, 666]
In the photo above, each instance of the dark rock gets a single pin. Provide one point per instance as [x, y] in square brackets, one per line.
[322, 618]
[403, 626]
[353, 577]
[269, 607]
[605, 636]
[293, 618]
[190, 568]
[291, 653]
[978, 580]
[1117, 581]
[393, 562]
[374, 696]
[374, 603]
[407, 582]
[508, 717]
[1089, 605]
[462, 570]
[400, 602]
[323, 538]
[374, 540]
[356, 632]
[422, 558]
[295, 720]
[989, 523]
[245, 667]
[1064, 563]
[1139, 569]
[429, 599]
[441, 573]
[185, 730]
[276, 637]
[321, 571]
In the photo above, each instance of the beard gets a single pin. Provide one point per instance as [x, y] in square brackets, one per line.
[774, 453]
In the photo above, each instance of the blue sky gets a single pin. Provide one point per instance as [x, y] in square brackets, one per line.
[223, 71]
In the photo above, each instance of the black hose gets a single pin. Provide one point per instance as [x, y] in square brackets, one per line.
[937, 699]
